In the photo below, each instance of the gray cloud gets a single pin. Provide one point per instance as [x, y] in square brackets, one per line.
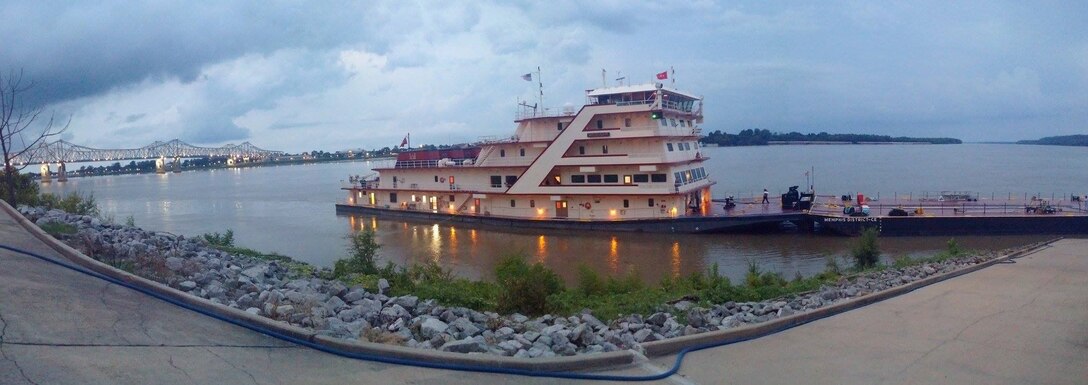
[212, 71]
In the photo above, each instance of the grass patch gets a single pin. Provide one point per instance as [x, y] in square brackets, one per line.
[58, 229]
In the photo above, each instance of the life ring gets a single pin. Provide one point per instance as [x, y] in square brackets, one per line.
[443, 179]
[587, 205]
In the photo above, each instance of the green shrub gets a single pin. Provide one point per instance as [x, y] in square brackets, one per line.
[953, 248]
[866, 252]
[525, 288]
[589, 282]
[362, 259]
[219, 240]
[72, 203]
[26, 189]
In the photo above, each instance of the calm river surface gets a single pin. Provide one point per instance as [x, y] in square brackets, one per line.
[289, 209]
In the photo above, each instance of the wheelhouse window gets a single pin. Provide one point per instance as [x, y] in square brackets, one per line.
[626, 179]
[657, 178]
[611, 178]
[577, 179]
[496, 181]
[642, 178]
[668, 146]
[593, 178]
[511, 179]
[392, 197]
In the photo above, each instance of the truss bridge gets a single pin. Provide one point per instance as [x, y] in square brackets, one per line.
[65, 152]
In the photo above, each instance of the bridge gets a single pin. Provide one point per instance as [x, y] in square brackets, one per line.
[62, 152]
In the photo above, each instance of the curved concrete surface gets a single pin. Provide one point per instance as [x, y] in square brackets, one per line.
[1011, 323]
[62, 327]
[58, 326]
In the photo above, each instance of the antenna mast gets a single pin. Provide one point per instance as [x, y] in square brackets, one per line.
[540, 86]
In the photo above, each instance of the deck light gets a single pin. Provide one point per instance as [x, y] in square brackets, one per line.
[656, 115]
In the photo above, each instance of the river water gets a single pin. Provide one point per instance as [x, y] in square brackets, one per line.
[289, 209]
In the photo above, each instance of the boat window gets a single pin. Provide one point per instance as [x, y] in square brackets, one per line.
[452, 198]
[604, 149]
[392, 197]
[581, 150]
[626, 203]
[651, 201]
[559, 126]
[642, 178]
[627, 122]
[663, 122]
[511, 179]
[678, 177]
[611, 178]
[593, 178]
[600, 123]
[577, 179]
[673, 122]
[522, 150]
[513, 203]
[682, 124]
[532, 203]
[436, 178]
[496, 181]
[502, 153]
[669, 146]
[658, 178]
[626, 179]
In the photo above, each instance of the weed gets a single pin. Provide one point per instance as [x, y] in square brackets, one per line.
[866, 253]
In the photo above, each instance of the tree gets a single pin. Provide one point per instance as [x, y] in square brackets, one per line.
[16, 118]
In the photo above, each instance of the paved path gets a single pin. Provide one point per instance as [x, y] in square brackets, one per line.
[1012, 323]
[61, 327]
[1016, 323]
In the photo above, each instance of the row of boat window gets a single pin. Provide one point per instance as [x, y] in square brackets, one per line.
[690, 176]
[614, 178]
[627, 123]
[681, 146]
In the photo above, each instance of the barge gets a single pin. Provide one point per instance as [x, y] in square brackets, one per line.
[951, 214]
[627, 160]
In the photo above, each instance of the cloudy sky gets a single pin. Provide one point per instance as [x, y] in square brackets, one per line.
[298, 76]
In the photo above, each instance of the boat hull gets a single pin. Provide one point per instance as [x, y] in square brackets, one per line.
[708, 224]
[949, 225]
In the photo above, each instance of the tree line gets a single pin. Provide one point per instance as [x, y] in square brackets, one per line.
[1067, 140]
[762, 137]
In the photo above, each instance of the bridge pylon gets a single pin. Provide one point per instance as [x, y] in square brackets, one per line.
[160, 165]
[62, 173]
[46, 177]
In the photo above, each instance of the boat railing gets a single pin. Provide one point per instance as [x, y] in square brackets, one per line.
[434, 163]
[547, 112]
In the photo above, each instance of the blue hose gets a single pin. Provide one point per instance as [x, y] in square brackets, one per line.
[392, 360]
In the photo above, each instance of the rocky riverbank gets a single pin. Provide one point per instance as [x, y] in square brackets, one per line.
[269, 289]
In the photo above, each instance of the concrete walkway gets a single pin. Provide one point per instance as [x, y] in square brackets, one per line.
[1011, 323]
[1015, 323]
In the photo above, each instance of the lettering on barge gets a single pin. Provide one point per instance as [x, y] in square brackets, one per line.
[852, 219]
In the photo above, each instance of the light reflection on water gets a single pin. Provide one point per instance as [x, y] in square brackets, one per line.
[289, 209]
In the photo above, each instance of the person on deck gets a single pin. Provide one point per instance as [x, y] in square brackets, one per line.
[765, 197]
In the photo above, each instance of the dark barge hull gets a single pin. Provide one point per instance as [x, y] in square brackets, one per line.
[962, 225]
[709, 224]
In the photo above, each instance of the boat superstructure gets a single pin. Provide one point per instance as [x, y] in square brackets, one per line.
[630, 153]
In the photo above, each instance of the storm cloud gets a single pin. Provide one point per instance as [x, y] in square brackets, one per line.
[297, 76]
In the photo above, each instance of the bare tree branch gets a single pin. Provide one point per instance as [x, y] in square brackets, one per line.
[15, 121]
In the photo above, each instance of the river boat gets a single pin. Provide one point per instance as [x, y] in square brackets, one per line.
[628, 159]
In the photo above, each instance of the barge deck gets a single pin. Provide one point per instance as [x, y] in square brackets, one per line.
[925, 217]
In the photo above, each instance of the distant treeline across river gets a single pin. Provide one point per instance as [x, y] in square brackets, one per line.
[761, 137]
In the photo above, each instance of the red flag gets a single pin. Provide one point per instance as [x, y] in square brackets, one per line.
[663, 75]
[404, 142]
